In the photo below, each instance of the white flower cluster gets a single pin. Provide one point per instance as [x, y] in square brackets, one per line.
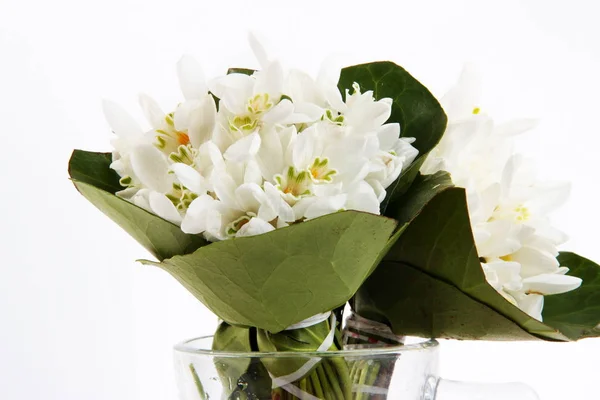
[277, 148]
[508, 207]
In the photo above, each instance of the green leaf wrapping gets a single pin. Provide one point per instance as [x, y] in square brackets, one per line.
[437, 253]
[414, 107]
[276, 279]
[576, 313]
[94, 179]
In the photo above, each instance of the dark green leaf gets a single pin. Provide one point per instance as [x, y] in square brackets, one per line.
[429, 307]
[576, 313]
[438, 244]
[94, 168]
[274, 280]
[420, 193]
[419, 113]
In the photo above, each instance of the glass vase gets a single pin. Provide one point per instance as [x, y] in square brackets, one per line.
[404, 372]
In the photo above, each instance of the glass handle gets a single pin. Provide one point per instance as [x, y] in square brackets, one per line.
[453, 390]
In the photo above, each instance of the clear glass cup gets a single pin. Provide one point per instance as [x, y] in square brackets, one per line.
[408, 372]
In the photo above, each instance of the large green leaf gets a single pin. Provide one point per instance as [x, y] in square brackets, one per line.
[429, 307]
[274, 280]
[94, 179]
[439, 247]
[419, 113]
[94, 168]
[576, 313]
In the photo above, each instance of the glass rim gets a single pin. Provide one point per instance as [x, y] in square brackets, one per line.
[187, 348]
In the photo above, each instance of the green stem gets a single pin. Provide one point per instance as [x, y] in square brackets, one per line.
[199, 386]
[344, 376]
[309, 385]
[362, 379]
[333, 380]
[316, 384]
[328, 392]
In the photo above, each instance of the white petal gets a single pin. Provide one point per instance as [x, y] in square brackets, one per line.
[209, 151]
[551, 284]
[378, 188]
[508, 273]
[252, 173]
[309, 111]
[325, 205]
[270, 80]
[549, 197]
[532, 304]
[152, 111]
[327, 80]
[271, 153]
[535, 262]
[281, 207]
[195, 218]
[202, 121]
[516, 127]
[238, 87]
[164, 208]
[152, 168]
[255, 226]
[363, 198]
[258, 49]
[464, 96]
[224, 187]
[244, 149]
[191, 78]
[249, 196]
[121, 123]
[279, 113]
[388, 136]
[480, 235]
[189, 177]
[503, 239]
[305, 149]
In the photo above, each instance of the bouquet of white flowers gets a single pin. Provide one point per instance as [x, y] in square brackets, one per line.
[277, 198]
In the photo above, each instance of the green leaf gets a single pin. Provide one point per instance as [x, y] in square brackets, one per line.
[438, 245]
[231, 339]
[414, 107]
[95, 180]
[576, 313]
[94, 168]
[297, 340]
[420, 193]
[274, 280]
[430, 307]
[245, 71]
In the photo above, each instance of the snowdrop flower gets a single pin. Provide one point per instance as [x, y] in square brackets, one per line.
[508, 206]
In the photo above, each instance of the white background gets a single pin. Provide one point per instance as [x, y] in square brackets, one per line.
[79, 319]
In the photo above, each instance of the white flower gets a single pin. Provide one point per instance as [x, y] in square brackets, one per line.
[282, 148]
[508, 207]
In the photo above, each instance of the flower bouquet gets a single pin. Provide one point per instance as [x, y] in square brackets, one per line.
[282, 201]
